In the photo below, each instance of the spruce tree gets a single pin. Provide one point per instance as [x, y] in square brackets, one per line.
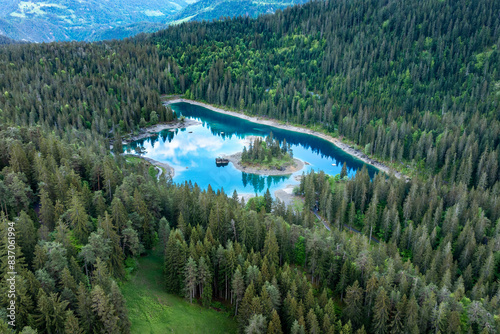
[381, 310]
[191, 279]
[274, 326]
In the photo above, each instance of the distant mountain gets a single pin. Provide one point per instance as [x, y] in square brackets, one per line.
[214, 9]
[6, 40]
[92, 20]
[60, 20]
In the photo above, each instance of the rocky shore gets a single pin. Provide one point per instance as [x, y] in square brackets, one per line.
[155, 129]
[169, 170]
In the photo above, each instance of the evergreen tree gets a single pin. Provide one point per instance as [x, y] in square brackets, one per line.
[274, 326]
[343, 172]
[191, 279]
[104, 311]
[238, 286]
[381, 310]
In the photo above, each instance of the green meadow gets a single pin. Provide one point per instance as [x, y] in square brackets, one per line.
[152, 310]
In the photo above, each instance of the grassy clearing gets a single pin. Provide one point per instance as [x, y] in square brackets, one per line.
[152, 310]
[133, 160]
[275, 163]
[298, 204]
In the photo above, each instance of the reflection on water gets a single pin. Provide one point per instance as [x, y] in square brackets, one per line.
[192, 151]
[261, 183]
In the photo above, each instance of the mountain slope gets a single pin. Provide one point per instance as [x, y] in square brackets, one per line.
[214, 9]
[6, 40]
[92, 20]
[59, 20]
[415, 84]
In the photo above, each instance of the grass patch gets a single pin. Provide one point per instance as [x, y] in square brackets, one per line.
[152, 310]
[275, 163]
[298, 204]
[133, 160]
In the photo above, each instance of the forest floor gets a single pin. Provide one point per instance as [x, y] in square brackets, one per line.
[152, 310]
[274, 123]
[235, 159]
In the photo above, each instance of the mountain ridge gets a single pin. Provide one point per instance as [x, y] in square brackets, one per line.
[73, 20]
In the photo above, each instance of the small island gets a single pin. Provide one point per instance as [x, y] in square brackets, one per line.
[266, 157]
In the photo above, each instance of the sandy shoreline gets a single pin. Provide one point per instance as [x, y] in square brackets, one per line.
[235, 159]
[344, 147]
[286, 194]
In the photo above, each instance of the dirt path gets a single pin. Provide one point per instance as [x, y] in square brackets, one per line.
[346, 148]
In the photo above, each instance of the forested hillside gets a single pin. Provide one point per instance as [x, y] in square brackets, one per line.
[64, 20]
[215, 9]
[414, 84]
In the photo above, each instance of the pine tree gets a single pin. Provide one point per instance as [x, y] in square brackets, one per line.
[204, 274]
[105, 311]
[297, 328]
[26, 236]
[238, 286]
[256, 325]
[411, 320]
[46, 210]
[79, 218]
[101, 276]
[343, 172]
[26, 330]
[268, 200]
[246, 304]
[191, 279]
[119, 213]
[271, 248]
[206, 296]
[84, 309]
[354, 304]
[71, 326]
[381, 312]
[52, 312]
[312, 322]
[116, 299]
[163, 233]
[175, 259]
[275, 324]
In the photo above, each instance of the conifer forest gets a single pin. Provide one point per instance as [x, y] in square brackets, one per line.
[412, 84]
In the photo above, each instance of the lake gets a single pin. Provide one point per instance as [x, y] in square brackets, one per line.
[192, 152]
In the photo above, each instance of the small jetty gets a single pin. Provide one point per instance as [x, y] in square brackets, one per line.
[220, 162]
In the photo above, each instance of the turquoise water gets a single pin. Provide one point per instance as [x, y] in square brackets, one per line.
[192, 152]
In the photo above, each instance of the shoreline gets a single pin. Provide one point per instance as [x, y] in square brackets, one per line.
[286, 195]
[169, 170]
[156, 129]
[337, 142]
[235, 159]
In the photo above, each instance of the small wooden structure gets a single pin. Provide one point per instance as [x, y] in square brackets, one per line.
[220, 162]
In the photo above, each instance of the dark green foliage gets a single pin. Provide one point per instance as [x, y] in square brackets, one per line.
[412, 82]
[267, 152]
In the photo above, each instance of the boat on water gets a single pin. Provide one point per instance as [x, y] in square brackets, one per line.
[221, 162]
